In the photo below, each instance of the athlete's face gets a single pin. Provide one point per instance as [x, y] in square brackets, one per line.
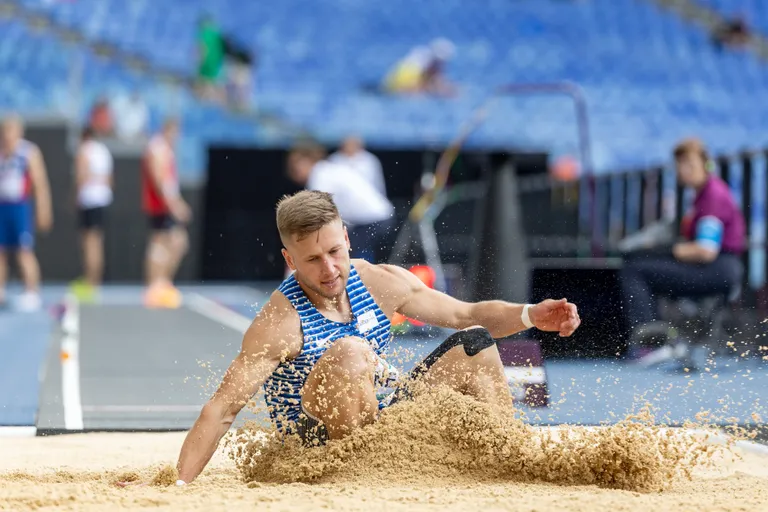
[321, 260]
[11, 133]
[172, 132]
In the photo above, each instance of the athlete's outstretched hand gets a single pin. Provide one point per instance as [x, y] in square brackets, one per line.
[555, 316]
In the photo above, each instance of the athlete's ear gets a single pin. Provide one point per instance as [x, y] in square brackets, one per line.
[346, 238]
[288, 259]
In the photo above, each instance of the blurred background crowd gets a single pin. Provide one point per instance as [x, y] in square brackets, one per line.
[668, 98]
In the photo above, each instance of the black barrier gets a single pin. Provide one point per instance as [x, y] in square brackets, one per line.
[240, 240]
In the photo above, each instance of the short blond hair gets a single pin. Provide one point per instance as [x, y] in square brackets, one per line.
[304, 213]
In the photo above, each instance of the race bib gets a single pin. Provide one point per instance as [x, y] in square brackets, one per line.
[367, 321]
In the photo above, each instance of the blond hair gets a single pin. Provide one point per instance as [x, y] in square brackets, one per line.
[304, 213]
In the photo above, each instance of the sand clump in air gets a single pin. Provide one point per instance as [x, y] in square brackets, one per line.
[442, 434]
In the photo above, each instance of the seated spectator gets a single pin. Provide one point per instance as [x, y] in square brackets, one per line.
[240, 68]
[353, 154]
[210, 47]
[706, 262]
[733, 32]
[422, 71]
[131, 116]
[367, 212]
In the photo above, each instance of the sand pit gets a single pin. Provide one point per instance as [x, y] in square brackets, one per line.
[475, 461]
[76, 473]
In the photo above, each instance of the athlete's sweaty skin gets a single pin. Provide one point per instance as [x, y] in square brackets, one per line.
[322, 265]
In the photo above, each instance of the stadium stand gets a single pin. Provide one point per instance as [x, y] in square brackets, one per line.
[37, 82]
[649, 76]
[752, 10]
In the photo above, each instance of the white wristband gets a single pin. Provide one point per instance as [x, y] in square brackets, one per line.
[525, 318]
[180, 482]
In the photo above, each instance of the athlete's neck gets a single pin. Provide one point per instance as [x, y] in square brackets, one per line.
[337, 307]
[8, 149]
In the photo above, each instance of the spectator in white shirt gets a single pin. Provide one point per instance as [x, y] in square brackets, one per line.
[368, 212]
[353, 154]
[131, 116]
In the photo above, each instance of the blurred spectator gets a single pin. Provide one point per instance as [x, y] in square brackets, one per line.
[707, 262]
[210, 59]
[94, 182]
[422, 70]
[734, 32]
[367, 211]
[25, 198]
[353, 155]
[100, 118]
[240, 68]
[168, 215]
[131, 116]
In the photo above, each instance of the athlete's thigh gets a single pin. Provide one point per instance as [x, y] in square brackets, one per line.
[457, 358]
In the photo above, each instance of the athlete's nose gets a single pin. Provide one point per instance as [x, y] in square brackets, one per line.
[328, 267]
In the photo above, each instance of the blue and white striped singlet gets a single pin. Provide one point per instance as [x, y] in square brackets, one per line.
[369, 322]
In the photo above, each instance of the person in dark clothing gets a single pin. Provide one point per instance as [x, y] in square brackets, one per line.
[707, 262]
[732, 33]
[240, 70]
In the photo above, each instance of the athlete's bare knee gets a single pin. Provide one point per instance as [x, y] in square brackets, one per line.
[180, 241]
[352, 355]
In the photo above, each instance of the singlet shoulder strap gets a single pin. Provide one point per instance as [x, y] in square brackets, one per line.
[292, 290]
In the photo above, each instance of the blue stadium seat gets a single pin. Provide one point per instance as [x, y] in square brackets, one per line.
[649, 77]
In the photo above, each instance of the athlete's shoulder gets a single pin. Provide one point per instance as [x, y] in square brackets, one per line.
[27, 147]
[277, 325]
[383, 279]
[279, 312]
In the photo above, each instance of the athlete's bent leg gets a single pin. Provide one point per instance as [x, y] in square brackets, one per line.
[339, 391]
[471, 365]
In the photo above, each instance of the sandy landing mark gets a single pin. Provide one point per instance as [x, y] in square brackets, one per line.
[76, 472]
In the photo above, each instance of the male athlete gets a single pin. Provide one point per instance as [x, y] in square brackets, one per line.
[23, 178]
[168, 213]
[317, 344]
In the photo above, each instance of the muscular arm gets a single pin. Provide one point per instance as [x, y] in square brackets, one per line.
[273, 335]
[415, 300]
[41, 189]
[707, 242]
